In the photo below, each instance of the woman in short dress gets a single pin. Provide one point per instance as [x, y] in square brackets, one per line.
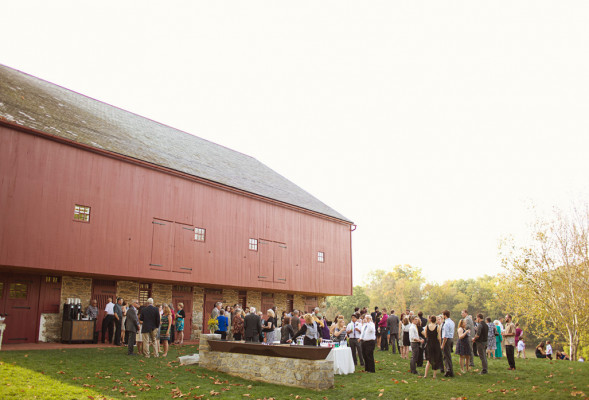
[433, 346]
[491, 343]
[165, 325]
[406, 343]
[180, 315]
[463, 348]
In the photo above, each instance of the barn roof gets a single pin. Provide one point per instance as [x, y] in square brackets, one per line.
[37, 104]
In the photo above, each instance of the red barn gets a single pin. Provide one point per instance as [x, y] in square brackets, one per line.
[96, 201]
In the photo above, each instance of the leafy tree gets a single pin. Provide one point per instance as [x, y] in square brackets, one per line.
[550, 277]
[345, 304]
[400, 288]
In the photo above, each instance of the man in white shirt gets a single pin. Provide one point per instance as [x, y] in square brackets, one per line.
[416, 342]
[368, 338]
[108, 321]
[354, 329]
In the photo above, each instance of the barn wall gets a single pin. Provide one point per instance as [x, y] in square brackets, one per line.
[141, 221]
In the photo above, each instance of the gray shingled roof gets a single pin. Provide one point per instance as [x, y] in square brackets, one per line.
[37, 104]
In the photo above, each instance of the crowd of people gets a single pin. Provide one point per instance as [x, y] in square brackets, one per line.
[430, 341]
[145, 326]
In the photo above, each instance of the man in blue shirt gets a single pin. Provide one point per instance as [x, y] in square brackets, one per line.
[447, 341]
[223, 324]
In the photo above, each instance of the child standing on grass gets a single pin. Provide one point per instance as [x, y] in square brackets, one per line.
[548, 350]
[521, 348]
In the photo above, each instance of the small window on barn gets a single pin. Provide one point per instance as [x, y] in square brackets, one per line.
[253, 244]
[144, 293]
[52, 279]
[199, 234]
[81, 213]
[18, 290]
[320, 256]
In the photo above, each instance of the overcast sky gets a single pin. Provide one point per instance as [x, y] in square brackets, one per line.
[432, 125]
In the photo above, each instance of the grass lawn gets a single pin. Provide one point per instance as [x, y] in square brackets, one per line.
[110, 374]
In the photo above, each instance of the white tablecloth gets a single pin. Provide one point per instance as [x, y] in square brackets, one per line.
[343, 363]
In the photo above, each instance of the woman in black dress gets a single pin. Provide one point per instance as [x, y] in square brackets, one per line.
[433, 346]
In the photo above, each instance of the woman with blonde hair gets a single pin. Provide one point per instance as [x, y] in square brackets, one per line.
[269, 327]
[310, 329]
[334, 324]
[339, 332]
[180, 315]
[463, 347]
[165, 325]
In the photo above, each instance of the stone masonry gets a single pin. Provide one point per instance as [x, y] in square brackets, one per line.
[161, 293]
[198, 301]
[254, 299]
[128, 290]
[311, 374]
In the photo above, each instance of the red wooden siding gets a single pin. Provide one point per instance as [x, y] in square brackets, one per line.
[142, 220]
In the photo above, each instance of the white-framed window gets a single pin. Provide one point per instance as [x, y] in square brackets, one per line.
[199, 234]
[81, 213]
[320, 256]
[253, 244]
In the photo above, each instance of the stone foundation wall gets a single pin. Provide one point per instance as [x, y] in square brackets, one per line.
[311, 374]
[161, 293]
[280, 303]
[76, 287]
[299, 303]
[254, 299]
[128, 290]
[50, 328]
[230, 297]
[198, 301]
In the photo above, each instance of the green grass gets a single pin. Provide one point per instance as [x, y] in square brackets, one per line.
[109, 373]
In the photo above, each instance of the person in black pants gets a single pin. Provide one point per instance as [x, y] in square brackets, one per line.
[118, 319]
[132, 326]
[108, 322]
[368, 339]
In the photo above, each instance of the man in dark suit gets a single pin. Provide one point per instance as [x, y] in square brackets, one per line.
[118, 310]
[132, 325]
[150, 316]
[393, 326]
[252, 326]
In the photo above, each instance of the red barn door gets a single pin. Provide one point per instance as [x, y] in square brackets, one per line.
[19, 300]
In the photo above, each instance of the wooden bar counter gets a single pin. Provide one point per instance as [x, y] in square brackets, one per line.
[75, 331]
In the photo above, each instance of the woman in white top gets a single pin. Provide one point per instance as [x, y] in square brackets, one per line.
[406, 343]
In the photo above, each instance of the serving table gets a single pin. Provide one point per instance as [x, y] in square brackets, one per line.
[78, 331]
[343, 363]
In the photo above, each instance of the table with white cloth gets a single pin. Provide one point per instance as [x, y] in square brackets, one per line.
[343, 363]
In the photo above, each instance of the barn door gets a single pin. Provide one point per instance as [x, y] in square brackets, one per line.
[184, 252]
[267, 302]
[266, 266]
[211, 297]
[162, 250]
[280, 263]
[19, 301]
[183, 294]
[101, 291]
[273, 261]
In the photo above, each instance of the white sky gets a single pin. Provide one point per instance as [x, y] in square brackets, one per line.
[431, 124]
